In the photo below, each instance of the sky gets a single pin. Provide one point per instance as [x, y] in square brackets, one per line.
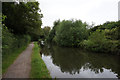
[90, 11]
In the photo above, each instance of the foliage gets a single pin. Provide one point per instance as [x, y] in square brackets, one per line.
[53, 31]
[113, 34]
[46, 31]
[107, 25]
[95, 42]
[101, 38]
[23, 18]
[70, 33]
[104, 38]
[39, 69]
[23, 23]
[11, 42]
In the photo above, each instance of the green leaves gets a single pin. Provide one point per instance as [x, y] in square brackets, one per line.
[104, 39]
[69, 32]
[46, 31]
[23, 18]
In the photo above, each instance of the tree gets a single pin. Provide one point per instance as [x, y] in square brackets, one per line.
[53, 31]
[70, 33]
[46, 31]
[23, 18]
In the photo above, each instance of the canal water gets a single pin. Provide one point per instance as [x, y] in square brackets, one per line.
[63, 62]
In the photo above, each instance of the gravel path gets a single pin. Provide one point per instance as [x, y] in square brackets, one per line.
[22, 65]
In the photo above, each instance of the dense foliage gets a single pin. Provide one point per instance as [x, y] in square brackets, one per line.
[46, 31]
[21, 24]
[70, 33]
[23, 18]
[11, 42]
[101, 38]
[104, 38]
[53, 31]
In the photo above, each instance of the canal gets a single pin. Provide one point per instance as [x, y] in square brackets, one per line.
[63, 62]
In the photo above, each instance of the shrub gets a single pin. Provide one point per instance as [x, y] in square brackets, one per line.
[11, 42]
[98, 42]
[95, 41]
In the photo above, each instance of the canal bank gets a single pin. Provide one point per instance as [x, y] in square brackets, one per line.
[38, 67]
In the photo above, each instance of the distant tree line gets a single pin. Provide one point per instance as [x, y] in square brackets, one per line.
[75, 33]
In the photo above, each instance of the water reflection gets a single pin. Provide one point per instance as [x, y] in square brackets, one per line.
[73, 62]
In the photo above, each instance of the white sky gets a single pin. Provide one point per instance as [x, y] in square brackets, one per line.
[97, 11]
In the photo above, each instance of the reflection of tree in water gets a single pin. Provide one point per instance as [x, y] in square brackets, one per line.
[46, 51]
[88, 66]
[71, 60]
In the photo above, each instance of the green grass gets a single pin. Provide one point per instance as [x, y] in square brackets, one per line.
[39, 69]
[8, 59]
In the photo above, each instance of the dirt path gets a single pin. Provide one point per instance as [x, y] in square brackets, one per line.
[21, 66]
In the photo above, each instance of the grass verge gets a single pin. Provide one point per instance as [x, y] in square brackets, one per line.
[8, 59]
[39, 69]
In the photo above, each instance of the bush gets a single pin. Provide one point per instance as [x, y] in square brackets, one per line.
[11, 42]
[98, 42]
[7, 40]
[95, 41]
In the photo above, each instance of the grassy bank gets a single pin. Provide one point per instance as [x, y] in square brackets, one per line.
[39, 69]
[8, 59]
